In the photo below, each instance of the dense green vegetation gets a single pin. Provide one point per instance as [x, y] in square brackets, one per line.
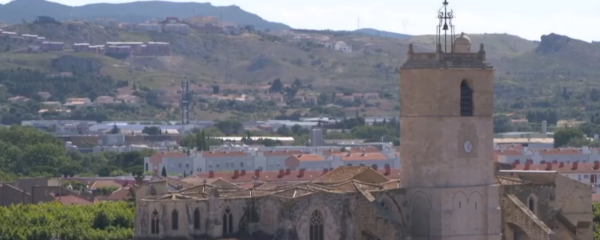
[26, 151]
[101, 221]
[596, 220]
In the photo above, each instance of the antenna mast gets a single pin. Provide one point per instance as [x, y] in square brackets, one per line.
[445, 25]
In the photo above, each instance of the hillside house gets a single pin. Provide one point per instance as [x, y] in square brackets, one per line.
[77, 102]
[44, 95]
[177, 27]
[52, 46]
[18, 99]
[127, 26]
[342, 47]
[211, 28]
[101, 100]
[156, 49]
[80, 47]
[148, 27]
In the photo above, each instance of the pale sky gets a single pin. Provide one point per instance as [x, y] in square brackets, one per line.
[526, 18]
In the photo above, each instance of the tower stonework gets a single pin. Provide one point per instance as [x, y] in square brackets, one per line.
[446, 108]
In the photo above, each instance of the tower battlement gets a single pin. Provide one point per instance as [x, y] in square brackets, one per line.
[440, 59]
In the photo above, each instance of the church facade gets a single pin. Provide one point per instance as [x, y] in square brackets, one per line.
[449, 188]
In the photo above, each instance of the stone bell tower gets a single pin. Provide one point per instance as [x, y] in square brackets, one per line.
[446, 101]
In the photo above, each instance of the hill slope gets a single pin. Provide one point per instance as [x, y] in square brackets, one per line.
[529, 74]
[16, 11]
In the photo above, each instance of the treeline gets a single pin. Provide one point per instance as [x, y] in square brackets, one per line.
[26, 151]
[27, 83]
[538, 116]
[101, 221]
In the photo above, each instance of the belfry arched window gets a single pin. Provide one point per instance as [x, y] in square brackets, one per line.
[466, 99]
[316, 226]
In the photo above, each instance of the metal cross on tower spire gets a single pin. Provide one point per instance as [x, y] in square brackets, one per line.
[445, 16]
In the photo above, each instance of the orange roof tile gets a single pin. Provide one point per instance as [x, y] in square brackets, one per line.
[508, 152]
[595, 197]
[171, 154]
[105, 183]
[573, 167]
[361, 157]
[72, 200]
[282, 153]
[307, 157]
[275, 176]
[213, 154]
[119, 195]
[558, 151]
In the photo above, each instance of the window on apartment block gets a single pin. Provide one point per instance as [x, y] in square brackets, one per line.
[180, 165]
[187, 165]
[217, 165]
[241, 164]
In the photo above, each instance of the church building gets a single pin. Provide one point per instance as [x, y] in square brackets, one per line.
[449, 187]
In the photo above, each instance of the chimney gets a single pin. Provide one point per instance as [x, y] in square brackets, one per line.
[301, 173]
[575, 165]
[596, 165]
[243, 173]
[281, 173]
[515, 164]
[527, 165]
[325, 170]
[561, 164]
[387, 170]
[287, 171]
[257, 173]
[236, 174]
[548, 166]
[211, 174]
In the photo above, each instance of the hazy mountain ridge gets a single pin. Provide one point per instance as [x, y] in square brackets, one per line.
[17, 11]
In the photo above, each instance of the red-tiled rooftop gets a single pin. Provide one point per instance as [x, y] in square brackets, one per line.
[282, 152]
[357, 156]
[558, 151]
[71, 200]
[283, 175]
[560, 167]
[212, 154]
[306, 157]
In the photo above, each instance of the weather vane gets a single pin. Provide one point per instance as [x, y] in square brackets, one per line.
[445, 17]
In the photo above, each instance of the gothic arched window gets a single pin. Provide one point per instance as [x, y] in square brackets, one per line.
[174, 219]
[316, 226]
[227, 222]
[197, 218]
[466, 99]
[531, 204]
[154, 223]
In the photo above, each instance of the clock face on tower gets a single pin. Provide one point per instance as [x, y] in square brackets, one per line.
[467, 146]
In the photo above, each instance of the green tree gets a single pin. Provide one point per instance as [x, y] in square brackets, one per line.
[153, 130]
[563, 136]
[115, 130]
